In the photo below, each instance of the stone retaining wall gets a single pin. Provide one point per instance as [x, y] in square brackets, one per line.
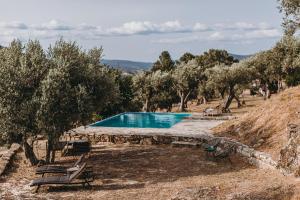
[6, 157]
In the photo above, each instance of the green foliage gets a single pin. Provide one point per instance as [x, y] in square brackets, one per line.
[164, 63]
[230, 76]
[164, 92]
[21, 70]
[185, 58]
[291, 10]
[232, 79]
[125, 100]
[74, 88]
[186, 78]
[278, 63]
[50, 93]
[155, 90]
[215, 57]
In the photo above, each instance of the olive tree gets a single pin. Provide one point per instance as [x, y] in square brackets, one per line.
[125, 100]
[50, 93]
[164, 92]
[230, 77]
[144, 90]
[214, 57]
[186, 78]
[185, 58]
[75, 87]
[290, 47]
[21, 71]
[291, 10]
[164, 62]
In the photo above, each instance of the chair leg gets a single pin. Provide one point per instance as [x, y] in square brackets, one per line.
[37, 189]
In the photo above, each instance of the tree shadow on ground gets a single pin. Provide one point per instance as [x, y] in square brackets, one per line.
[154, 164]
[127, 167]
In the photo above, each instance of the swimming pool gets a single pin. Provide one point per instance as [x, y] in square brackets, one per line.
[142, 120]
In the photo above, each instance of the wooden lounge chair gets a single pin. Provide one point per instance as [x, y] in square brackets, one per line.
[64, 179]
[57, 169]
[76, 147]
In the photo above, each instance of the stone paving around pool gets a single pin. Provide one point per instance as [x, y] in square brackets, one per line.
[194, 126]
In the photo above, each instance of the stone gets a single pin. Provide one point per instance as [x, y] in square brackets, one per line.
[185, 144]
[289, 160]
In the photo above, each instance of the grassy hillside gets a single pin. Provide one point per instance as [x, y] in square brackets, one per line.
[264, 127]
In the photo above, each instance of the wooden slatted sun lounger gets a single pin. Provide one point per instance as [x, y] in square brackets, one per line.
[63, 180]
[56, 168]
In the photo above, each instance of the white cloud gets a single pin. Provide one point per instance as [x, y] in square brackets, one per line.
[267, 33]
[233, 32]
[84, 26]
[146, 27]
[217, 36]
[245, 37]
[241, 26]
[53, 25]
[13, 25]
[200, 27]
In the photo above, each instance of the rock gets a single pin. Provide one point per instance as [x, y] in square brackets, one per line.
[146, 141]
[185, 144]
[289, 160]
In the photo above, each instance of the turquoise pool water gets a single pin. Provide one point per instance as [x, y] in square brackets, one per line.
[142, 120]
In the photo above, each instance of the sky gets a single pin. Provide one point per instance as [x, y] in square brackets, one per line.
[140, 29]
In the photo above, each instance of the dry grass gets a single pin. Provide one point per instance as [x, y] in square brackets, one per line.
[264, 126]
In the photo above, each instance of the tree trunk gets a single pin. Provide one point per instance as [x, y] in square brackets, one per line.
[186, 99]
[204, 100]
[54, 147]
[52, 156]
[230, 97]
[267, 93]
[223, 93]
[49, 150]
[278, 85]
[29, 153]
[182, 102]
[239, 104]
[146, 106]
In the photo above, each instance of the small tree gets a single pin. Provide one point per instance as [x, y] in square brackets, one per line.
[215, 57]
[164, 93]
[185, 58]
[125, 100]
[230, 77]
[290, 46]
[164, 63]
[186, 79]
[144, 89]
[21, 71]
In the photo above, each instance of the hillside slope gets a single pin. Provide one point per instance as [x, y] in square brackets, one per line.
[265, 126]
[127, 65]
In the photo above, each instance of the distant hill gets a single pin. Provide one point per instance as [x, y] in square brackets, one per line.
[240, 57]
[127, 65]
[134, 66]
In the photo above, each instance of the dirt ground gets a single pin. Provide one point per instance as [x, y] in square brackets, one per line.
[154, 172]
